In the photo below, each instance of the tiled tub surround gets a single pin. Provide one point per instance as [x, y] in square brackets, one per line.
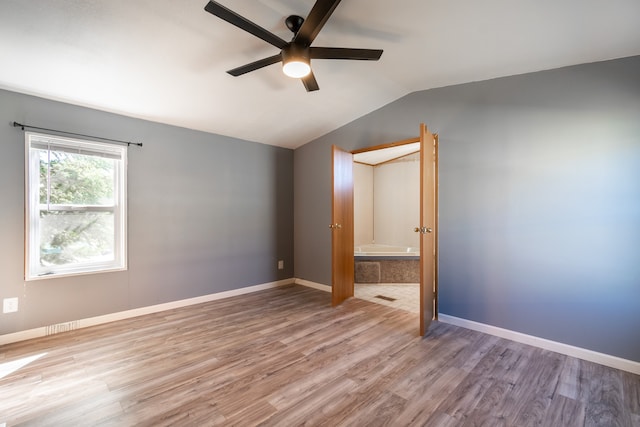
[386, 264]
[387, 270]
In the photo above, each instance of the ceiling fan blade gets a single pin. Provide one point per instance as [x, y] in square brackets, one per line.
[320, 13]
[233, 18]
[255, 65]
[344, 53]
[310, 83]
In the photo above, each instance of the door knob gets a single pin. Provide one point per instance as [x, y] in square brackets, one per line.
[423, 230]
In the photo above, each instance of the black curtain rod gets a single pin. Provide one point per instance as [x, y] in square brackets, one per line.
[16, 125]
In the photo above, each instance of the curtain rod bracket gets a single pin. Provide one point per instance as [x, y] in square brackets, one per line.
[129, 143]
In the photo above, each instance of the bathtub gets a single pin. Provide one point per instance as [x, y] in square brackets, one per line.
[379, 250]
[378, 263]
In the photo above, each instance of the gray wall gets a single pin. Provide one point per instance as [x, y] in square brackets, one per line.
[207, 213]
[539, 200]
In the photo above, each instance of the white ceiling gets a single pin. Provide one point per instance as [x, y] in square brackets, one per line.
[165, 60]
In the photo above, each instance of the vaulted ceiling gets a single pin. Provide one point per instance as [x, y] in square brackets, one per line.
[166, 60]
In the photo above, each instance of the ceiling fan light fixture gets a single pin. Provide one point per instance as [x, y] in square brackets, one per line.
[296, 69]
[295, 62]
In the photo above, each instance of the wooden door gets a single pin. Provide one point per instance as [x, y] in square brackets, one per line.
[428, 222]
[342, 275]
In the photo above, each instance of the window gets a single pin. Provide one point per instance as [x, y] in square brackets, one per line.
[76, 206]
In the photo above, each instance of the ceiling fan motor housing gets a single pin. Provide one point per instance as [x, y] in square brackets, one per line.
[295, 60]
[294, 52]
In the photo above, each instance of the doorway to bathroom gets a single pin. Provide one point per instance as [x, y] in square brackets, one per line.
[381, 261]
[386, 208]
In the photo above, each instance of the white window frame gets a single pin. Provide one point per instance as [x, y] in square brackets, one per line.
[33, 268]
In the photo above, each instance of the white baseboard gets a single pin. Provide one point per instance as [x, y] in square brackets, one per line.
[112, 317]
[566, 349]
[313, 285]
[569, 350]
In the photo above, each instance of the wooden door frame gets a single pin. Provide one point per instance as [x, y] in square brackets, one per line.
[387, 145]
[436, 231]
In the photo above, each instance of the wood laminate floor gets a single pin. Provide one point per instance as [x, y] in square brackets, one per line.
[284, 357]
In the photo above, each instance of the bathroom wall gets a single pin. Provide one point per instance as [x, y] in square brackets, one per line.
[397, 201]
[386, 202]
[362, 204]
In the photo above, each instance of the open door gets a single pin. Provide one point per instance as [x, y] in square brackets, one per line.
[427, 229]
[342, 275]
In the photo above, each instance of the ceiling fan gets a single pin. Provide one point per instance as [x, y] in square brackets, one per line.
[297, 54]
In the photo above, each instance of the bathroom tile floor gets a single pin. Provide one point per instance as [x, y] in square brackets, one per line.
[405, 296]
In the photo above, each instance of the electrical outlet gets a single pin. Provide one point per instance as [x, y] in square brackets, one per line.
[281, 265]
[10, 305]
